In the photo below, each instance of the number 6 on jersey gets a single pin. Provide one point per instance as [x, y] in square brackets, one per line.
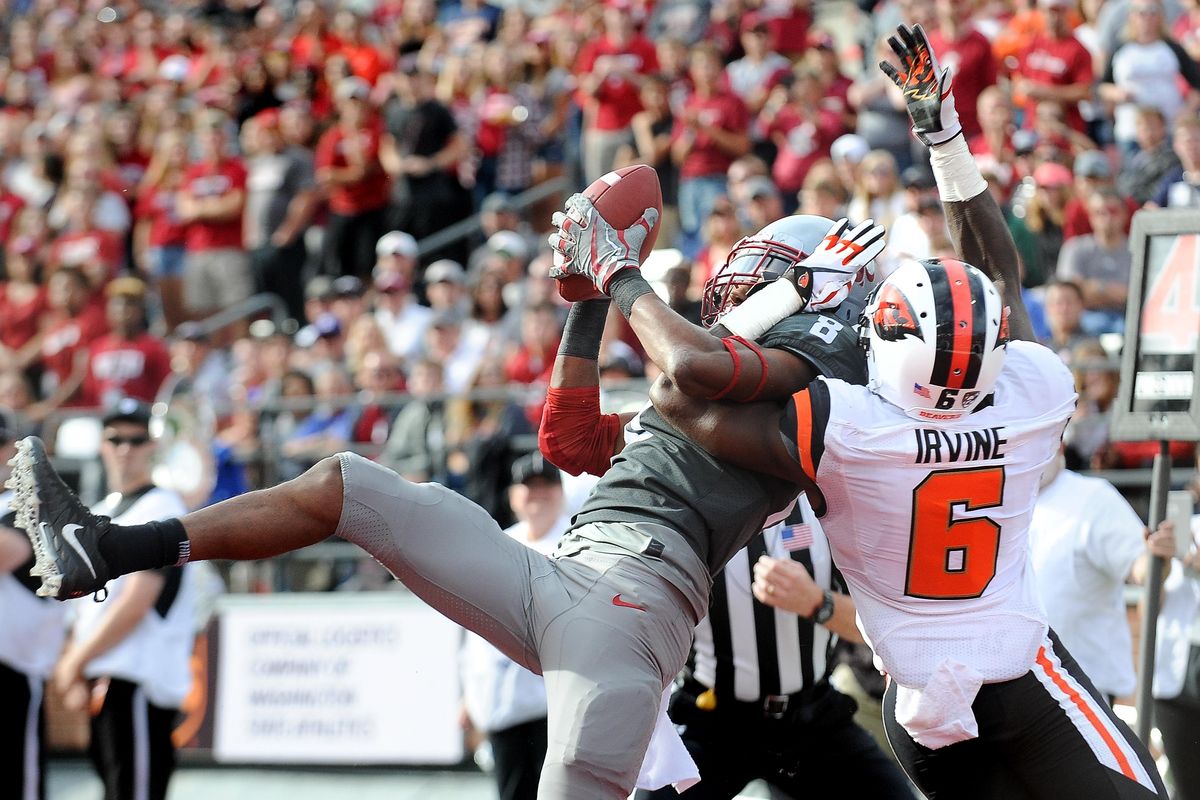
[951, 559]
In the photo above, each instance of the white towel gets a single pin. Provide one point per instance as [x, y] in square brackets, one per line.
[667, 758]
[940, 714]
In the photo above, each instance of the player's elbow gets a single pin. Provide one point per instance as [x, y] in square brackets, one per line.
[688, 373]
[668, 398]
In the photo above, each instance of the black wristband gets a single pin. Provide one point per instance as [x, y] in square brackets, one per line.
[585, 326]
[626, 287]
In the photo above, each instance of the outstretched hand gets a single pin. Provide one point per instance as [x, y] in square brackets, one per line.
[842, 259]
[926, 86]
[586, 244]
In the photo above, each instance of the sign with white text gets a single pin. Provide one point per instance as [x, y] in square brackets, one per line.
[336, 679]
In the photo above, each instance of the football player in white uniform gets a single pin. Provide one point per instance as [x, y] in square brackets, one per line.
[927, 478]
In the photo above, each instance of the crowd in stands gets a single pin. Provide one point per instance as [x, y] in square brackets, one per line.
[162, 161]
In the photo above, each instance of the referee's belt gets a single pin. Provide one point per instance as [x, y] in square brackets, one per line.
[771, 706]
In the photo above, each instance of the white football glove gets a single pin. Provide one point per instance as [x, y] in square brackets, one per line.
[841, 260]
[926, 86]
[586, 244]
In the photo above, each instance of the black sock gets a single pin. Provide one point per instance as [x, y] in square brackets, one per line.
[133, 548]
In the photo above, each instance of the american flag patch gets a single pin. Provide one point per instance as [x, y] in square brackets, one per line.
[796, 537]
[921, 390]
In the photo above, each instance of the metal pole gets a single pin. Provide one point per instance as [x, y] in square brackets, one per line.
[1160, 483]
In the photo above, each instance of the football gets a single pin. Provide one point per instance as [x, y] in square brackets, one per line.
[620, 196]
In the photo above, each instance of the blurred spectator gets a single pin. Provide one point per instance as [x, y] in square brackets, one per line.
[378, 374]
[789, 22]
[764, 204]
[489, 324]
[421, 151]
[755, 74]
[100, 253]
[200, 369]
[1100, 263]
[348, 169]
[326, 429]
[721, 233]
[23, 304]
[364, 59]
[321, 344]
[76, 320]
[608, 68]
[1054, 67]
[129, 361]
[710, 132]
[1180, 188]
[878, 194]
[1151, 161]
[738, 176]
[1096, 381]
[401, 317]
[1064, 317]
[457, 355]
[281, 199]
[1186, 29]
[967, 53]
[823, 196]
[1092, 173]
[533, 358]
[801, 130]
[992, 146]
[349, 300]
[652, 128]
[445, 286]
[1146, 72]
[882, 121]
[846, 155]
[509, 130]
[211, 202]
[467, 22]
[1042, 216]
[678, 281]
[363, 337]
[907, 237]
[824, 58]
[416, 447]
[159, 235]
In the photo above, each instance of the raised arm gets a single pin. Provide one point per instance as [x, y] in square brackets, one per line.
[574, 435]
[977, 227]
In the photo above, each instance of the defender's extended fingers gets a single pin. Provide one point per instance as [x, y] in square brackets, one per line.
[893, 73]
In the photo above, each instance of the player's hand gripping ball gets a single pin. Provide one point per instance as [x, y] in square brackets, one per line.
[620, 199]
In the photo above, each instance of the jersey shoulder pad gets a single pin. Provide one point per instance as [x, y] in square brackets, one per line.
[828, 343]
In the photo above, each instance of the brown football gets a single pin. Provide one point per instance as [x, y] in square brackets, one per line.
[620, 196]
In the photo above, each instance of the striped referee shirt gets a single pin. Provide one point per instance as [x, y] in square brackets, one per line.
[751, 650]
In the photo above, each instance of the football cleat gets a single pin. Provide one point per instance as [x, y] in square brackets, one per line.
[64, 533]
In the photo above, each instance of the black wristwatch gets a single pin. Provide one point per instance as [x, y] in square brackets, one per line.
[824, 611]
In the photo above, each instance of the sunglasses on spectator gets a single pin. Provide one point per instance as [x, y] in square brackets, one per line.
[132, 441]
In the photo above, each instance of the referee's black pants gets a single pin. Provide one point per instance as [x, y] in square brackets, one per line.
[815, 750]
[22, 760]
[131, 744]
[1048, 735]
[519, 753]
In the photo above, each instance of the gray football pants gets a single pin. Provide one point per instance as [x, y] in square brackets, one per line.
[605, 664]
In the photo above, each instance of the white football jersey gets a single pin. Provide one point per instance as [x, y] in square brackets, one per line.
[929, 520]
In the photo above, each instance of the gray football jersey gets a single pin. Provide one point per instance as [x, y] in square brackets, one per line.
[663, 477]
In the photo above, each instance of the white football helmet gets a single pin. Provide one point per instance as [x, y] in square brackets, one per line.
[766, 255]
[935, 333]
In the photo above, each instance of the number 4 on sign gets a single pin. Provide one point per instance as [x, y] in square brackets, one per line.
[1171, 315]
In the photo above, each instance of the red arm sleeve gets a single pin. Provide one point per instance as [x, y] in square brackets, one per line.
[574, 435]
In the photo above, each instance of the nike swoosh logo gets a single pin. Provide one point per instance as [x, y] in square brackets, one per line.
[68, 533]
[617, 601]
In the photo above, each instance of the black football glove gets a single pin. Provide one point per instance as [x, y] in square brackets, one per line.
[926, 86]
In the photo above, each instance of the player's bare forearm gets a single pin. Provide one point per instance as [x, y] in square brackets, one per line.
[746, 435]
[981, 238]
[698, 364]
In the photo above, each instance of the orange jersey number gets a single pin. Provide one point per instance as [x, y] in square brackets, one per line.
[951, 559]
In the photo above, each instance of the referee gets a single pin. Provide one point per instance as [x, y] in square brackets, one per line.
[756, 701]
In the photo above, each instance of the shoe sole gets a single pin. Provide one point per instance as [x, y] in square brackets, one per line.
[47, 563]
